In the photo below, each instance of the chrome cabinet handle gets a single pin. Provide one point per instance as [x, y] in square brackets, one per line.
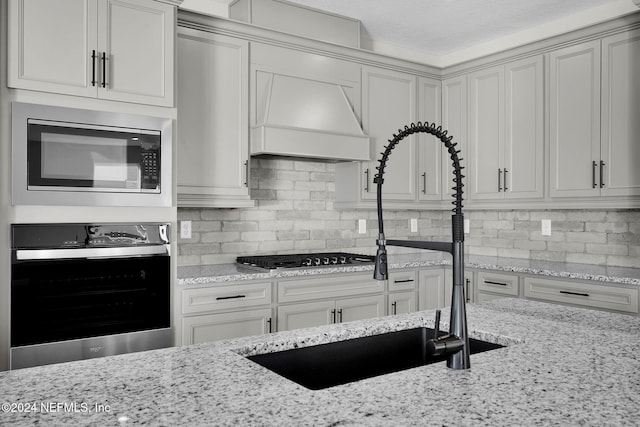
[467, 288]
[93, 67]
[424, 183]
[601, 173]
[593, 174]
[104, 69]
[246, 173]
[499, 180]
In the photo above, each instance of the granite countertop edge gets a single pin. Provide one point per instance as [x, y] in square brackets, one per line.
[223, 273]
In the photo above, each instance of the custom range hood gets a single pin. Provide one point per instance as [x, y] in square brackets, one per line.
[299, 117]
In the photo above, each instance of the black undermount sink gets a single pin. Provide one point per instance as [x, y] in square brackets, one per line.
[327, 365]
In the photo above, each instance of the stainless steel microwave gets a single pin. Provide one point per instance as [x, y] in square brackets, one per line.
[67, 156]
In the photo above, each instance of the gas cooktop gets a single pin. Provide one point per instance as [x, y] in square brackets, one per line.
[306, 260]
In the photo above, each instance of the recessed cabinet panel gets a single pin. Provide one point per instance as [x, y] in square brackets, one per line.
[401, 303]
[431, 152]
[214, 327]
[348, 310]
[50, 45]
[389, 104]
[454, 120]
[305, 315]
[608, 297]
[486, 132]
[574, 120]
[327, 287]
[620, 152]
[402, 280]
[523, 168]
[138, 37]
[503, 284]
[213, 131]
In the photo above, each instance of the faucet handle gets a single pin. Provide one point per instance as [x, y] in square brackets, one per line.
[436, 327]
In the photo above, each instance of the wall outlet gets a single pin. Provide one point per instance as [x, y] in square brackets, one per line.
[546, 227]
[467, 226]
[362, 226]
[185, 229]
[413, 225]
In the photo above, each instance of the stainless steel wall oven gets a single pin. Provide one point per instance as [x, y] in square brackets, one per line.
[88, 290]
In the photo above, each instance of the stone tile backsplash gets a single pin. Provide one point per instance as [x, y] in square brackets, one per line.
[294, 213]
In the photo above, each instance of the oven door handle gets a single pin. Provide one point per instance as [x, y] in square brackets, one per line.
[47, 254]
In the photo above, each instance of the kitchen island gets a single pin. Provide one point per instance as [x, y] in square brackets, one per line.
[561, 366]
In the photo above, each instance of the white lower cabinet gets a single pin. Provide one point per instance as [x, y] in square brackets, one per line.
[318, 313]
[214, 327]
[592, 295]
[224, 311]
[433, 291]
[402, 302]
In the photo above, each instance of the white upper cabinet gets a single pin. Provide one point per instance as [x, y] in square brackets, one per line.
[574, 120]
[389, 104]
[430, 149]
[454, 121]
[213, 120]
[620, 129]
[109, 49]
[413, 175]
[506, 131]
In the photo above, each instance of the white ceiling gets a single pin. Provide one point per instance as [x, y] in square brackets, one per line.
[444, 32]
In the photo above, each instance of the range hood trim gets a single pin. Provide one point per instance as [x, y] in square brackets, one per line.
[310, 143]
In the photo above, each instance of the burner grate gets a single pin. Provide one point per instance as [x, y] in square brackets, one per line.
[305, 260]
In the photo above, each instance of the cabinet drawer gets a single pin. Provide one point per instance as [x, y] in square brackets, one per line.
[608, 297]
[504, 284]
[328, 286]
[214, 327]
[402, 280]
[225, 297]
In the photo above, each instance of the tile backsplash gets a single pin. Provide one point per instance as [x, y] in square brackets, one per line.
[294, 213]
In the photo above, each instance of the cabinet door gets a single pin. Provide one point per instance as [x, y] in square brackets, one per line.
[523, 167]
[486, 133]
[402, 302]
[137, 37]
[454, 121]
[620, 151]
[574, 120]
[431, 289]
[430, 148]
[50, 45]
[389, 104]
[360, 308]
[214, 327]
[213, 140]
[306, 315]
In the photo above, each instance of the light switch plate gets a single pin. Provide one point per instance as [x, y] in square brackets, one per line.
[467, 226]
[413, 225]
[362, 226]
[185, 229]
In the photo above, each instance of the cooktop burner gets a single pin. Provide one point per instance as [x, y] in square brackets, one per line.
[305, 260]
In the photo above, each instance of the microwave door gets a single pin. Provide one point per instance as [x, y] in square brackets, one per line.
[66, 158]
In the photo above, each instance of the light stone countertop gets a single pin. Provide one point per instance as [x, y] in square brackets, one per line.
[221, 273]
[562, 366]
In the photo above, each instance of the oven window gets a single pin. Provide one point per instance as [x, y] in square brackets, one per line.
[58, 300]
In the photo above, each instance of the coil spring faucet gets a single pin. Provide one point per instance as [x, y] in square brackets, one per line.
[456, 344]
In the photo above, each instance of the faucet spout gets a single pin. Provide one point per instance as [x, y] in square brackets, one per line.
[456, 344]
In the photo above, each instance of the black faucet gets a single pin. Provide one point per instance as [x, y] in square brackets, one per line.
[456, 344]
